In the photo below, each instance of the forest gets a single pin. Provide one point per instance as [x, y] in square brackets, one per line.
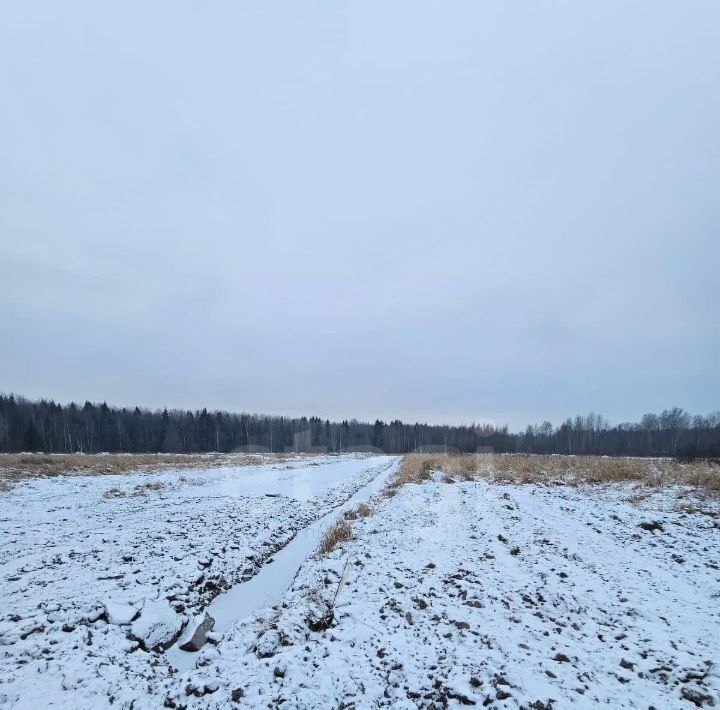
[45, 426]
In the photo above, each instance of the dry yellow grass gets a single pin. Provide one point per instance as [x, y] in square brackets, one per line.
[338, 532]
[140, 490]
[363, 510]
[143, 488]
[416, 468]
[536, 468]
[603, 469]
[22, 466]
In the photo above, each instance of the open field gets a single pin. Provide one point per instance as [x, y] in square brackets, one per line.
[82, 555]
[496, 581]
[15, 467]
[495, 595]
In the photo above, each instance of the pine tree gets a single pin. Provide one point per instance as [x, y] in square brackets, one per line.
[32, 438]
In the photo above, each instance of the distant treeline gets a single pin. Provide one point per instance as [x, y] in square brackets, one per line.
[91, 428]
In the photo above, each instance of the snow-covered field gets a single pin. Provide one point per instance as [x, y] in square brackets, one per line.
[494, 595]
[97, 571]
[449, 594]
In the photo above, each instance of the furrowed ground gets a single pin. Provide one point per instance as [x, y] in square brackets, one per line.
[465, 587]
[102, 566]
[495, 581]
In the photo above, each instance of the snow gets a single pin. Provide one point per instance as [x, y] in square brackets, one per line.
[494, 595]
[271, 582]
[158, 625]
[482, 593]
[120, 614]
[80, 556]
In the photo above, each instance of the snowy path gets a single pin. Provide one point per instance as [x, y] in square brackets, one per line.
[82, 556]
[273, 579]
[491, 595]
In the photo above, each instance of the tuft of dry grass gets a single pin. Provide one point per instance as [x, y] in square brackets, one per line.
[363, 510]
[464, 467]
[143, 488]
[337, 533]
[416, 468]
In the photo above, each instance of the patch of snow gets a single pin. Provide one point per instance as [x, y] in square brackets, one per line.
[158, 626]
[119, 613]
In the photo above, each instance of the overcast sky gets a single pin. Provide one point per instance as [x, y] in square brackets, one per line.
[460, 211]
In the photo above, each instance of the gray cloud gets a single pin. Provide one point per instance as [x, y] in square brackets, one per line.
[475, 211]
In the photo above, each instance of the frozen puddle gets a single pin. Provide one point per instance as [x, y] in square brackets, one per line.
[301, 480]
[272, 581]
